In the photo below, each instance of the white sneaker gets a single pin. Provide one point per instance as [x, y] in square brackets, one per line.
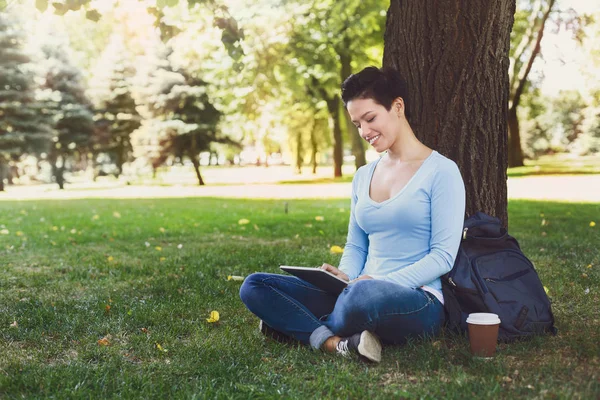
[365, 343]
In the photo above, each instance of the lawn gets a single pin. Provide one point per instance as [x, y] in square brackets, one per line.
[110, 299]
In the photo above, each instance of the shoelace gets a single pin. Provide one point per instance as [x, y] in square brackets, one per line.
[342, 347]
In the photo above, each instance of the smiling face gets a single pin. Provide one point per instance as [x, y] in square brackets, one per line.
[378, 126]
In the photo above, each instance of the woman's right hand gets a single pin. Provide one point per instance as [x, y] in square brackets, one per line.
[335, 271]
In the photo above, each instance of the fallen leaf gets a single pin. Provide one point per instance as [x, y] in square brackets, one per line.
[235, 278]
[161, 229]
[546, 290]
[110, 259]
[117, 214]
[73, 231]
[160, 348]
[19, 233]
[146, 244]
[243, 221]
[4, 232]
[336, 250]
[592, 224]
[319, 218]
[162, 259]
[158, 248]
[95, 217]
[14, 324]
[179, 246]
[144, 330]
[214, 317]
[104, 341]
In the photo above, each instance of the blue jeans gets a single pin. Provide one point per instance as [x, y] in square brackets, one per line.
[300, 310]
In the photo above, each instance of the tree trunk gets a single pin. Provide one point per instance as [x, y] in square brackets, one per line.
[358, 149]
[333, 105]
[519, 80]
[193, 154]
[314, 147]
[515, 152]
[2, 167]
[454, 55]
[299, 151]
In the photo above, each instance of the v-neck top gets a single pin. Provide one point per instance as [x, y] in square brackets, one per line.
[412, 238]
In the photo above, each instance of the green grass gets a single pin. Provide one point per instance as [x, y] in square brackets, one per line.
[558, 164]
[62, 266]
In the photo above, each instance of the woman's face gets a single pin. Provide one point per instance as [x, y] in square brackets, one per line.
[378, 126]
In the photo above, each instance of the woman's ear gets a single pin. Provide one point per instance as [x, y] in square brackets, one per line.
[398, 106]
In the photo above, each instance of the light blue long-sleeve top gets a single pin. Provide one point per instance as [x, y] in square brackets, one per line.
[412, 238]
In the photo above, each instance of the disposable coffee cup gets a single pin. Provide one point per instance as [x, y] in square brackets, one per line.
[483, 334]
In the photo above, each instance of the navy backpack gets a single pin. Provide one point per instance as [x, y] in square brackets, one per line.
[491, 274]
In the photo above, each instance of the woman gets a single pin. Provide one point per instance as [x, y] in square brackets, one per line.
[407, 213]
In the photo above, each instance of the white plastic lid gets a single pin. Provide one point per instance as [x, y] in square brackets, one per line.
[483, 319]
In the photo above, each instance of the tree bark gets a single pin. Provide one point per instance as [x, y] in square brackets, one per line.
[333, 105]
[2, 167]
[454, 55]
[515, 151]
[314, 147]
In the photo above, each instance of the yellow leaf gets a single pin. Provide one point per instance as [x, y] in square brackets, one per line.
[160, 348]
[117, 214]
[235, 278]
[214, 317]
[19, 233]
[243, 221]
[161, 229]
[584, 275]
[158, 248]
[55, 228]
[73, 231]
[104, 341]
[110, 259]
[589, 266]
[546, 290]
[162, 259]
[319, 218]
[592, 224]
[23, 212]
[336, 250]
[4, 232]
[256, 227]
[95, 217]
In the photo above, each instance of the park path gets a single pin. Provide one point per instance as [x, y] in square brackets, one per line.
[579, 188]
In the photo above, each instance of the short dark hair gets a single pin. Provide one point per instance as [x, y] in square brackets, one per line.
[383, 85]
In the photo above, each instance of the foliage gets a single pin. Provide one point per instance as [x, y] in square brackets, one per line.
[66, 101]
[23, 124]
[109, 298]
[116, 115]
[185, 119]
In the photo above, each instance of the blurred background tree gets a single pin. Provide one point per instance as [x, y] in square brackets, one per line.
[228, 82]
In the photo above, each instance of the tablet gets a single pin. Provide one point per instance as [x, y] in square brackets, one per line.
[319, 277]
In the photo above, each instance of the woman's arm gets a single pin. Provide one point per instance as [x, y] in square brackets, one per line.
[357, 242]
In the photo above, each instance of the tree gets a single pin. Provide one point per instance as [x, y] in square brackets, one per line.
[117, 116]
[186, 120]
[454, 56]
[67, 104]
[331, 38]
[24, 127]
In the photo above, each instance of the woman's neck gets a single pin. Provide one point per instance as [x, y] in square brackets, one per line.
[407, 147]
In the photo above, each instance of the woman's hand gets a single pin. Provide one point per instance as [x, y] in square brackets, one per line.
[335, 271]
[360, 278]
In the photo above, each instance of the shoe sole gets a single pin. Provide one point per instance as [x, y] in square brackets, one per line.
[369, 347]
